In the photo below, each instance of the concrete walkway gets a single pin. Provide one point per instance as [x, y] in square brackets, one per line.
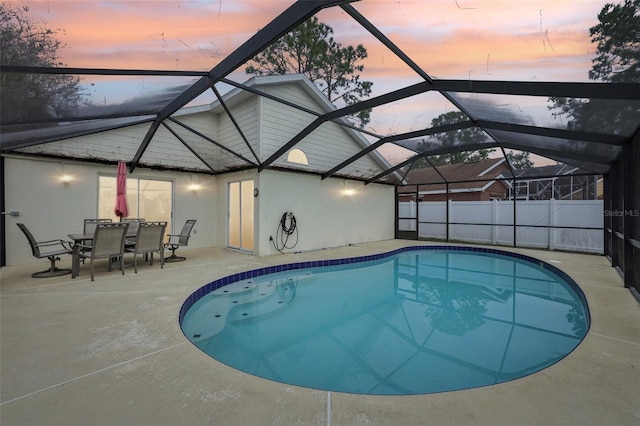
[111, 352]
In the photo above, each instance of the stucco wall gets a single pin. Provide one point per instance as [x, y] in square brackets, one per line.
[52, 209]
[326, 217]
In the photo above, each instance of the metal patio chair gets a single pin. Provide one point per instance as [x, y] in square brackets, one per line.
[108, 242]
[89, 227]
[149, 240]
[50, 249]
[133, 223]
[179, 240]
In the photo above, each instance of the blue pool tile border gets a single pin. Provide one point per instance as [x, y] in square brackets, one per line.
[230, 279]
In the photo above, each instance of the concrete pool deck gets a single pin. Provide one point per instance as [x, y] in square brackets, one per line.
[111, 352]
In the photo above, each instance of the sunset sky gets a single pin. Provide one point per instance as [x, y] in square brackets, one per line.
[546, 40]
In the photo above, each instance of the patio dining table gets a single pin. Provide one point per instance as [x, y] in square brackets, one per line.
[83, 238]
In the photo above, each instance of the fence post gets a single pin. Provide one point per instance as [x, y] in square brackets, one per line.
[412, 215]
[449, 207]
[494, 222]
[552, 224]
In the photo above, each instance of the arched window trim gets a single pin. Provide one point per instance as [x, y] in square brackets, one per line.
[297, 156]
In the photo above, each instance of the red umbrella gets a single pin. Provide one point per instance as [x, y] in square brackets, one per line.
[122, 209]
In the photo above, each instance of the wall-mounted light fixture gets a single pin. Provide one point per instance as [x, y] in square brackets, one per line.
[346, 190]
[194, 186]
[64, 177]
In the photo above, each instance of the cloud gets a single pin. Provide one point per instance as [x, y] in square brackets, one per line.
[496, 39]
[152, 34]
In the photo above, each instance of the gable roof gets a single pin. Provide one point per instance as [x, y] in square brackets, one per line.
[472, 176]
[192, 134]
[240, 94]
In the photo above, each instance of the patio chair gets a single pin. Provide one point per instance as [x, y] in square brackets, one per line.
[50, 249]
[149, 239]
[133, 223]
[90, 225]
[179, 240]
[89, 228]
[108, 242]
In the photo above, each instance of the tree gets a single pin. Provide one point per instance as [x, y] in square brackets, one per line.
[470, 135]
[24, 97]
[617, 36]
[520, 160]
[310, 49]
[618, 39]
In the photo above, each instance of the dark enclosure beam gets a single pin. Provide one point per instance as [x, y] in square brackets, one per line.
[235, 123]
[99, 71]
[460, 148]
[295, 15]
[595, 137]
[342, 112]
[27, 141]
[630, 91]
[384, 40]
[548, 152]
[186, 145]
[396, 138]
[258, 92]
[208, 139]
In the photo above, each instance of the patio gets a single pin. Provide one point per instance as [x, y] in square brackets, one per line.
[111, 352]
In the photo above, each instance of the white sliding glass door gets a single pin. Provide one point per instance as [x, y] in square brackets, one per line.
[241, 215]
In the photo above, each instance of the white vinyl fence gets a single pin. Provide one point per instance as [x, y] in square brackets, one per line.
[483, 219]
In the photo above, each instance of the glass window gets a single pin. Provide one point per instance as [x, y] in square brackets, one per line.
[297, 156]
[146, 198]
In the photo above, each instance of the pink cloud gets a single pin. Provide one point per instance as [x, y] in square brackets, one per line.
[496, 39]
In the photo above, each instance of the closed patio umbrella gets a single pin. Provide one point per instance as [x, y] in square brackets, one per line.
[122, 209]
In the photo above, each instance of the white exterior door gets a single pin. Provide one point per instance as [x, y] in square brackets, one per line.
[240, 225]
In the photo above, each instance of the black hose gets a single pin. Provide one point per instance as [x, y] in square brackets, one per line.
[286, 231]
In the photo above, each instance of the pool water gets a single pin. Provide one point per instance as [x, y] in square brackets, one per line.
[413, 322]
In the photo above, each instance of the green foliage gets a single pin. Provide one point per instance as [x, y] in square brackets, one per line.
[617, 36]
[618, 39]
[520, 160]
[27, 98]
[471, 135]
[310, 49]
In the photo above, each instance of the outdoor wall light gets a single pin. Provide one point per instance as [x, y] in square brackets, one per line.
[64, 177]
[194, 186]
[348, 191]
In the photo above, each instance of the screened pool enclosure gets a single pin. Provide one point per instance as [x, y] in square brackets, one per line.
[485, 81]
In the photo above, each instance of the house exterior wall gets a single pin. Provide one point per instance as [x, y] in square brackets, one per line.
[325, 216]
[330, 144]
[52, 209]
[245, 114]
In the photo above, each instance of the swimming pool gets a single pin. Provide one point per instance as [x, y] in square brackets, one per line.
[412, 321]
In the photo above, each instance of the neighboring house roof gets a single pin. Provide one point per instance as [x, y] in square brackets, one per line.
[480, 174]
[547, 171]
